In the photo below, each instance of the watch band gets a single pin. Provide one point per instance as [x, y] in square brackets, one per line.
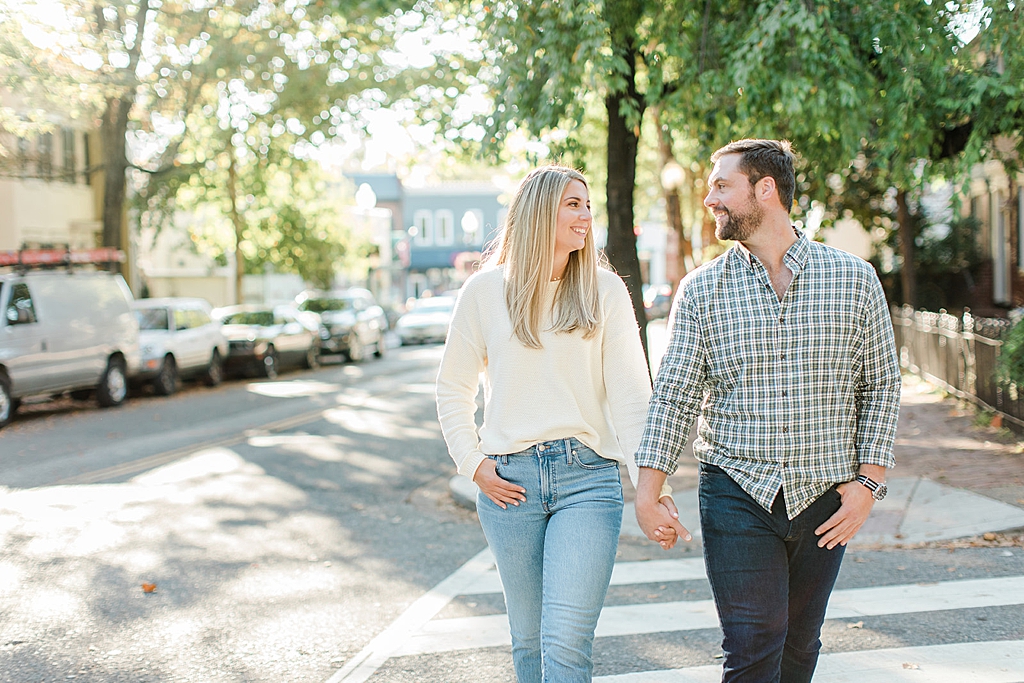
[878, 490]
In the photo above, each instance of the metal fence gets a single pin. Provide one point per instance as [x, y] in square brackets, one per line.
[959, 354]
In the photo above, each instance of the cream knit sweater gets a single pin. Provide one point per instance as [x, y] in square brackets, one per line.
[596, 389]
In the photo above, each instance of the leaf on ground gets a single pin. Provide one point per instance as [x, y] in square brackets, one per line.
[859, 624]
[910, 665]
[148, 587]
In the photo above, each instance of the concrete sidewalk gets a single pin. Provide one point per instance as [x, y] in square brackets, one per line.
[955, 478]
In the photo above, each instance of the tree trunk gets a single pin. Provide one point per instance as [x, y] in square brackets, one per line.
[621, 246]
[677, 247]
[113, 129]
[623, 140]
[908, 272]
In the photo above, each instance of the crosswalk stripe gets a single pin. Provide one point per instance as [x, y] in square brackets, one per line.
[984, 662]
[623, 574]
[445, 635]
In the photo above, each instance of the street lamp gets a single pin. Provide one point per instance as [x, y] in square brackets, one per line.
[470, 224]
[366, 198]
[672, 175]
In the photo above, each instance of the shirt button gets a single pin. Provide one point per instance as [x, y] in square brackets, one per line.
[783, 356]
[785, 430]
[785, 393]
[782, 320]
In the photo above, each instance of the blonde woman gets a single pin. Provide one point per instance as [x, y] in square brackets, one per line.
[566, 388]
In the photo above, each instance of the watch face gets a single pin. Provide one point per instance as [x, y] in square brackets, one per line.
[880, 492]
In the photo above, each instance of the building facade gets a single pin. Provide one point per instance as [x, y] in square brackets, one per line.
[438, 232]
[49, 191]
[996, 199]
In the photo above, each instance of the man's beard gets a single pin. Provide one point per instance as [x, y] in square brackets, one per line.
[740, 226]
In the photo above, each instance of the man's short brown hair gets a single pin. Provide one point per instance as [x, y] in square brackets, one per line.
[761, 158]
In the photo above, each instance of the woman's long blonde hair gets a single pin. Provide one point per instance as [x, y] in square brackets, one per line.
[527, 250]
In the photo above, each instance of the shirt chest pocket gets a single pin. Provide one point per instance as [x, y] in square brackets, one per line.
[828, 337]
[739, 344]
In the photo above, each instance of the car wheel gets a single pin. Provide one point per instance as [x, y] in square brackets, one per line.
[382, 347]
[214, 374]
[166, 381]
[7, 403]
[355, 350]
[270, 364]
[113, 387]
[313, 358]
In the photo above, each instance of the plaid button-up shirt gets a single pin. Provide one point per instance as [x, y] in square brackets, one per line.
[794, 393]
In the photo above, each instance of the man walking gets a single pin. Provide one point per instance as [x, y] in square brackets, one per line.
[783, 348]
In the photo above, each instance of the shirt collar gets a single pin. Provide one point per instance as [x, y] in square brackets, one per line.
[795, 257]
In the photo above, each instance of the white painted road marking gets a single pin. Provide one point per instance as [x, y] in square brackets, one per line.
[987, 662]
[445, 635]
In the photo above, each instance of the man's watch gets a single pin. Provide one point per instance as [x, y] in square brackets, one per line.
[878, 491]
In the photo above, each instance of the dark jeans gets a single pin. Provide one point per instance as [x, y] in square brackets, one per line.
[770, 580]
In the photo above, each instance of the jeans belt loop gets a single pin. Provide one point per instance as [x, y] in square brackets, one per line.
[568, 451]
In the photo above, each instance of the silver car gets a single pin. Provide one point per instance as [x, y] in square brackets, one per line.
[427, 320]
[179, 339]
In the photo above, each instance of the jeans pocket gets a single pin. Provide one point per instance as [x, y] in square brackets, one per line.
[589, 460]
[707, 470]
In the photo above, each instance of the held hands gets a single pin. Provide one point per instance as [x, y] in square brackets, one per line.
[500, 491]
[660, 521]
[849, 518]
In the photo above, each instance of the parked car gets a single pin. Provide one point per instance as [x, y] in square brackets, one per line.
[265, 339]
[65, 330]
[179, 339]
[353, 321]
[427, 320]
[658, 301]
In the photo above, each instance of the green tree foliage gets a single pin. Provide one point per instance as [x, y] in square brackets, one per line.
[887, 86]
[181, 86]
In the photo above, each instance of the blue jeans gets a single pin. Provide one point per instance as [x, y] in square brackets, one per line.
[555, 554]
[770, 580]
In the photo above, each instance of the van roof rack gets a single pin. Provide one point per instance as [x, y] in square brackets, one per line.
[26, 259]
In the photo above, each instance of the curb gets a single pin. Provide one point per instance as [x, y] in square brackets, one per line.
[463, 491]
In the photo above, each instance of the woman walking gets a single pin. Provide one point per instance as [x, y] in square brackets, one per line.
[566, 388]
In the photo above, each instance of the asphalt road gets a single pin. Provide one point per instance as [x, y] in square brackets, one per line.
[282, 523]
[302, 530]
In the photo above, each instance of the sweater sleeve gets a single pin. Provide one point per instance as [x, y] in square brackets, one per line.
[626, 376]
[458, 383]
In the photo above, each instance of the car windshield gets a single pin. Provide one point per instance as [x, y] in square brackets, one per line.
[152, 319]
[433, 305]
[321, 305]
[261, 318]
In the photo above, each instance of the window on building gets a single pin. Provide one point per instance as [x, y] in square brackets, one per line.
[444, 227]
[86, 161]
[1020, 227]
[423, 222]
[44, 165]
[68, 145]
[24, 150]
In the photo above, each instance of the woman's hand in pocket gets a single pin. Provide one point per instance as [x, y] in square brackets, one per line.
[500, 491]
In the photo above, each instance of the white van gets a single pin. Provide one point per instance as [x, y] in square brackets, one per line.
[65, 330]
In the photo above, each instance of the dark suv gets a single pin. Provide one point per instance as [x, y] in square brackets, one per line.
[353, 321]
